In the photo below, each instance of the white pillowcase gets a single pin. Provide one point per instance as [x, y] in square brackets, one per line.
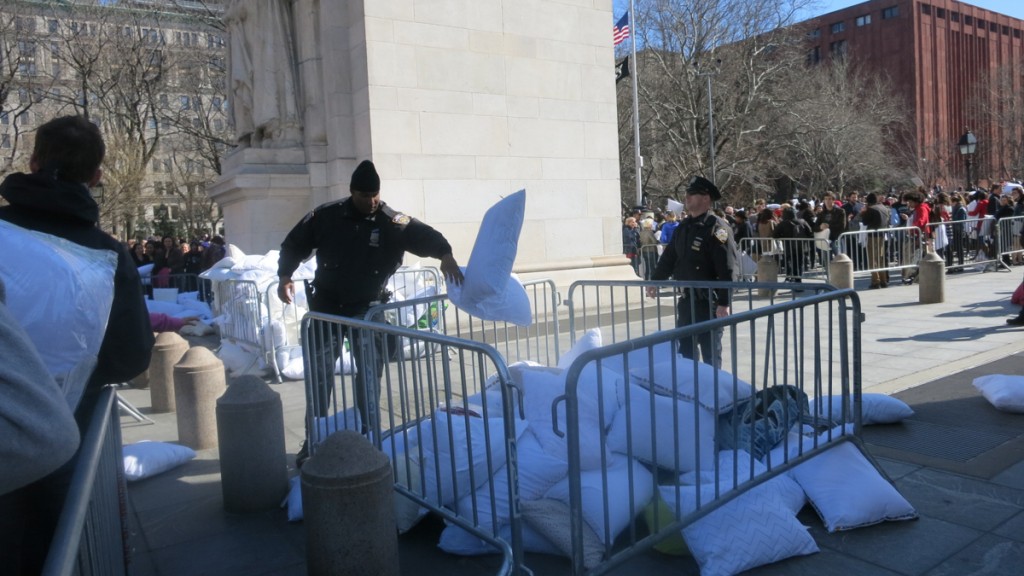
[510, 305]
[144, 459]
[676, 377]
[654, 433]
[591, 339]
[874, 408]
[618, 498]
[1004, 392]
[848, 492]
[494, 251]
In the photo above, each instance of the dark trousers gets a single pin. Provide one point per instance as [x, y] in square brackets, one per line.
[690, 310]
[332, 336]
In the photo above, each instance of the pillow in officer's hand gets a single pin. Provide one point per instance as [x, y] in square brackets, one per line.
[494, 252]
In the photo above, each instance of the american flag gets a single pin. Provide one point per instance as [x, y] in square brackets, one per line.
[621, 30]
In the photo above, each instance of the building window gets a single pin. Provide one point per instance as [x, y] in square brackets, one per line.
[864, 20]
[890, 12]
[993, 27]
[1016, 32]
[838, 27]
[218, 125]
[940, 12]
[25, 24]
[968, 21]
[1006, 30]
[814, 55]
[838, 49]
[4, 119]
[954, 16]
[185, 103]
[215, 102]
[926, 9]
[814, 34]
[5, 141]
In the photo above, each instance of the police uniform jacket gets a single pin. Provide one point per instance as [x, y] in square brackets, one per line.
[356, 253]
[702, 249]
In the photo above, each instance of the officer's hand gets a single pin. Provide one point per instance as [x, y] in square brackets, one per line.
[451, 271]
[286, 290]
[652, 291]
[722, 311]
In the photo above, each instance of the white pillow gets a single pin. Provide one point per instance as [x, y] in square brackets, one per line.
[676, 377]
[655, 436]
[550, 518]
[541, 386]
[754, 529]
[408, 473]
[591, 339]
[618, 499]
[494, 252]
[1004, 392]
[293, 501]
[455, 540]
[874, 408]
[144, 458]
[848, 492]
[345, 420]
[447, 441]
[511, 305]
[792, 494]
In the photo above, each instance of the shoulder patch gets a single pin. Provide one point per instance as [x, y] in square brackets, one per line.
[401, 219]
[721, 234]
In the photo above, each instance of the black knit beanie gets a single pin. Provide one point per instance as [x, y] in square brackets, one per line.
[365, 178]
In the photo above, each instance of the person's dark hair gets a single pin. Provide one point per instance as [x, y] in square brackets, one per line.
[765, 215]
[69, 148]
[788, 213]
[872, 198]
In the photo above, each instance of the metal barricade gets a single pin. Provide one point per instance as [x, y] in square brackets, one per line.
[452, 445]
[677, 417]
[280, 329]
[963, 244]
[799, 258]
[89, 538]
[1010, 247]
[883, 250]
[240, 314]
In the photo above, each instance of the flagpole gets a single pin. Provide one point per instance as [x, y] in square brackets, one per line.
[638, 160]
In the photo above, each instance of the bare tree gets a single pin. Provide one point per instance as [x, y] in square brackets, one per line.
[999, 99]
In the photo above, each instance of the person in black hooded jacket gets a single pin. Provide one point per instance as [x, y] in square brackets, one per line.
[54, 198]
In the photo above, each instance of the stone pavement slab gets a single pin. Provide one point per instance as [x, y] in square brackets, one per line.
[972, 507]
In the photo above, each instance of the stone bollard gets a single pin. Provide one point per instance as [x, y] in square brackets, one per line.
[198, 382]
[253, 462]
[167, 351]
[767, 271]
[931, 279]
[348, 507]
[840, 272]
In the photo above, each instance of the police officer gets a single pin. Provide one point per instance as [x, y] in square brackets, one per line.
[359, 243]
[702, 249]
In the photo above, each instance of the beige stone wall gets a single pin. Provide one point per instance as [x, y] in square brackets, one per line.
[460, 102]
[470, 100]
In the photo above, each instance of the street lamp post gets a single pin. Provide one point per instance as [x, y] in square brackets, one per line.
[968, 144]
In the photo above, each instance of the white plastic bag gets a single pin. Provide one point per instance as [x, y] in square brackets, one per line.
[61, 294]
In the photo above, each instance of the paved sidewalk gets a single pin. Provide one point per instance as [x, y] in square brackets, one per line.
[958, 461]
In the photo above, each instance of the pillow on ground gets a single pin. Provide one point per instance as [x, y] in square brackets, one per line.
[754, 529]
[874, 408]
[667, 436]
[541, 386]
[694, 382]
[591, 339]
[461, 442]
[144, 459]
[1004, 392]
[293, 501]
[848, 492]
[550, 518]
[623, 499]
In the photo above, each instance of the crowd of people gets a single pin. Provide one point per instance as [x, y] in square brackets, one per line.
[170, 256]
[645, 231]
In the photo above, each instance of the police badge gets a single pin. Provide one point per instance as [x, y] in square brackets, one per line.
[401, 219]
[721, 234]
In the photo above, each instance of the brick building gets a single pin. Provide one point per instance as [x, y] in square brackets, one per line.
[937, 54]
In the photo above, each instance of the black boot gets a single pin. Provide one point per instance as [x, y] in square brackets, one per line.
[1018, 321]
